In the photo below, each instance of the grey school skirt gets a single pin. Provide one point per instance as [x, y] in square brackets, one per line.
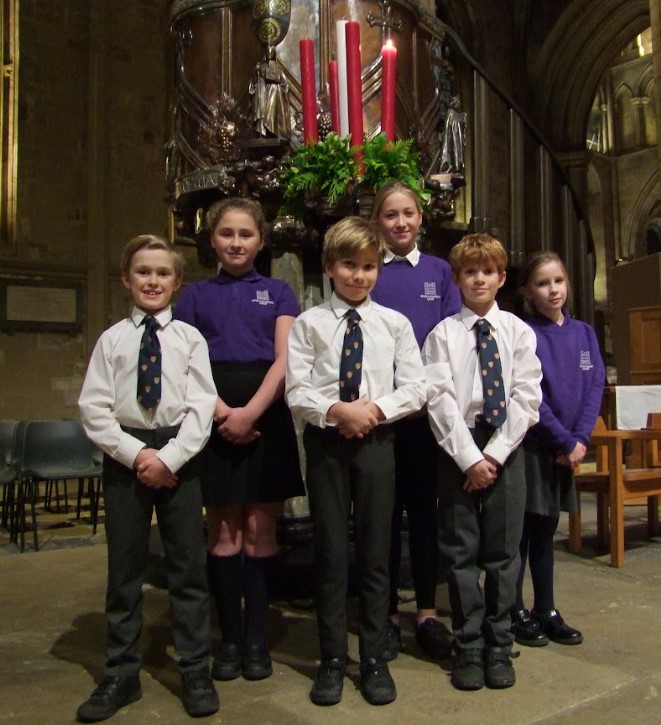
[265, 471]
[550, 486]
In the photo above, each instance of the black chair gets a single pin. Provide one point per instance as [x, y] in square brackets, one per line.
[18, 492]
[58, 450]
[8, 469]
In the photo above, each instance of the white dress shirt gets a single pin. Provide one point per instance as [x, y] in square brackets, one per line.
[454, 384]
[188, 393]
[393, 376]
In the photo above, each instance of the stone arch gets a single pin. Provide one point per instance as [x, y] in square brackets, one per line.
[627, 126]
[576, 54]
[649, 108]
[647, 207]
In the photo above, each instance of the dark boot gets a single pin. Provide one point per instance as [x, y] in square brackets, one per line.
[225, 588]
[257, 574]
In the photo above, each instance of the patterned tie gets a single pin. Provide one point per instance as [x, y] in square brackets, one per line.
[149, 366]
[495, 411]
[351, 362]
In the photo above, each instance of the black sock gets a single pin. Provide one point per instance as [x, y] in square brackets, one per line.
[257, 574]
[541, 555]
[225, 588]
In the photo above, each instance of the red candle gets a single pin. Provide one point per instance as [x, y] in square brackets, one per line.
[388, 78]
[354, 86]
[334, 92]
[308, 91]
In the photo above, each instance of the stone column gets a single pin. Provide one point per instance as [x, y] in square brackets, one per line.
[655, 18]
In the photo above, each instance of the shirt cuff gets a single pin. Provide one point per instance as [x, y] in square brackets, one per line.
[171, 456]
[498, 449]
[127, 450]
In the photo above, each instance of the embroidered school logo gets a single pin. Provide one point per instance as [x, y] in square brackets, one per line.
[262, 297]
[429, 293]
[586, 361]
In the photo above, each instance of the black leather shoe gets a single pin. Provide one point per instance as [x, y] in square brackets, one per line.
[393, 641]
[468, 670]
[499, 671]
[328, 683]
[376, 684]
[527, 631]
[227, 665]
[256, 661]
[111, 694]
[431, 637]
[556, 629]
[199, 695]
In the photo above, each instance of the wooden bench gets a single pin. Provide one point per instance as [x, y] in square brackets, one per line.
[614, 484]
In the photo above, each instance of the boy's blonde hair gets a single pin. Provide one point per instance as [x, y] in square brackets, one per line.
[477, 248]
[530, 265]
[349, 237]
[150, 241]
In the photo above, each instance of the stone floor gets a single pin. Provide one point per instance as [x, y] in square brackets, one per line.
[52, 634]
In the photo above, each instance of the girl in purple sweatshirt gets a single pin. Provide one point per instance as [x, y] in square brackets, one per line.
[572, 387]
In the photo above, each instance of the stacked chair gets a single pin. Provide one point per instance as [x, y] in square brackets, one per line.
[46, 451]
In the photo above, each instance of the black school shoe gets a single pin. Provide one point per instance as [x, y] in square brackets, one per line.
[430, 636]
[328, 682]
[498, 669]
[393, 641]
[227, 664]
[468, 670]
[199, 695]
[256, 661]
[556, 629]
[527, 630]
[112, 693]
[376, 683]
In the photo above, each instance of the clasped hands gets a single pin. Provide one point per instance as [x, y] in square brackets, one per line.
[235, 425]
[355, 419]
[151, 470]
[481, 475]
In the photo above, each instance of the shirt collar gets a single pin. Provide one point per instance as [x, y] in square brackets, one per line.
[469, 318]
[340, 307]
[163, 317]
[413, 257]
[224, 278]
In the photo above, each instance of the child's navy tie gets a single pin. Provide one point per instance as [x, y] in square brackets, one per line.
[149, 365]
[351, 362]
[491, 371]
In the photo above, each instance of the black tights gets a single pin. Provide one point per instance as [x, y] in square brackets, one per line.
[537, 545]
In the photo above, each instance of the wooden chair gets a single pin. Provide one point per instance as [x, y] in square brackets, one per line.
[654, 423]
[614, 484]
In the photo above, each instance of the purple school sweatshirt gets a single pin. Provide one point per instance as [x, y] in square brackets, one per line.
[425, 294]
[572, 384]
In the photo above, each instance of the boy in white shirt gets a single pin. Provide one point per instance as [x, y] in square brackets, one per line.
[349, 447]
[483, 395]
[150, 434]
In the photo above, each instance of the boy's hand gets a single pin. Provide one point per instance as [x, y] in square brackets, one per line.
[355, 419]
[238, 427]
[480, 475]
[152, 472]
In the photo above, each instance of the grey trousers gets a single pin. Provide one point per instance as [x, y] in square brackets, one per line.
[480, 532]
[128, 513]
[342, 473]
